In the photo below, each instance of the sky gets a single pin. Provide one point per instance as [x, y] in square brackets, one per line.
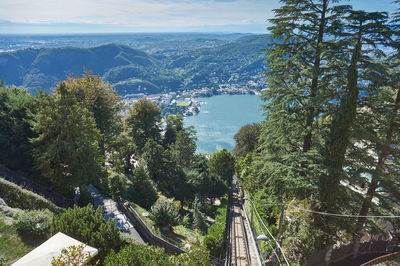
[107, 16]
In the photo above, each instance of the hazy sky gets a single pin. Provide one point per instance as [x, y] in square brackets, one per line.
[74, 16]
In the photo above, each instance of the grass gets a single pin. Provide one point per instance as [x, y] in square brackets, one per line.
[183, 103]
[12, 245]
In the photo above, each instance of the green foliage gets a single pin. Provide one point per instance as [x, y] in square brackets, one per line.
[117, 185]
[102, 102]
[142, 190]
[138, 255]
[184, 148]
[214, 240]
[88, 226]
[85, 197]
[246, 139]
[16, 109]
[199, 217]
[164, 213]
[174, 124]
[143, 122]
[222, 163]
[18, 197]
[73, 255]
[66, 149]
[36, 223]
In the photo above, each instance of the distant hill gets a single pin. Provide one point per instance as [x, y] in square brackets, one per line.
[131, 70]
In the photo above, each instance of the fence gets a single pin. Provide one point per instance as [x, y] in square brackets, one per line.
[31, 185]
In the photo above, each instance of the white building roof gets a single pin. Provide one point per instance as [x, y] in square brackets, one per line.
[44, 254]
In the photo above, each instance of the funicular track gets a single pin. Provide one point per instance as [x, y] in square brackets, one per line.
[239, 252]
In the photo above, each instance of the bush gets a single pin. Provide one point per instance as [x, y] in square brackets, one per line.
[88, 226]
[18, 197]
[142, 190]
[165, 214]
[36, 223]
[137, 255]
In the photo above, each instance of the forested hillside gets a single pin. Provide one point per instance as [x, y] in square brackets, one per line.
[135, 71]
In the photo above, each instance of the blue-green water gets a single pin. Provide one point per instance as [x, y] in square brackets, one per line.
[220, 119]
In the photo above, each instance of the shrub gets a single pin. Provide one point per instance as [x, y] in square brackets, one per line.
[73, 255]
[142, 190]
[165, 214]
[137, 255]
[88, 226]
[18, 197]
[36, 223]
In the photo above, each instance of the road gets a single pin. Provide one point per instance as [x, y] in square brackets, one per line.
[110, 210]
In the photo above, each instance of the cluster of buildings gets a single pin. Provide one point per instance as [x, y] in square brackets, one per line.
[184, 102]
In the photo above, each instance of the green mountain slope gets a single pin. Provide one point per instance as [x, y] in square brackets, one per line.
[134, 71]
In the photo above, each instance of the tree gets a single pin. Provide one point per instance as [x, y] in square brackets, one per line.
[154, 158]
[88, 226]
[174, 125]
[143, 123]
[164, 213]
[222, 163]
[16, 110]
[102, 101]
[246, 139]
[142, 190]
[184, 147]
[363, 28]
[66, 149]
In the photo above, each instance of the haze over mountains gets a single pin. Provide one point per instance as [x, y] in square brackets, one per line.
[162, 64]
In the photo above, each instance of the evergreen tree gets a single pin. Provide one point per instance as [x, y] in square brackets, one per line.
[66, 149]
[16, 110]
[143, 123]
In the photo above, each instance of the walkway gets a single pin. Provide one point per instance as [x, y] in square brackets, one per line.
[111, 210]
[243, 251]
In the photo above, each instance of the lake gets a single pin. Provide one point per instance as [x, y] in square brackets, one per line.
[220, 119]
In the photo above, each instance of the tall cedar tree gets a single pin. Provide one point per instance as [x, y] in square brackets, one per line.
[380, 111]
[66, 149]
[362, 28]
[302, 80]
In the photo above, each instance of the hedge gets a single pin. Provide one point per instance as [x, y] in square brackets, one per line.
[18, 197]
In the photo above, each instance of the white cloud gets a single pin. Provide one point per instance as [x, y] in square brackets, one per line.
[138, 12]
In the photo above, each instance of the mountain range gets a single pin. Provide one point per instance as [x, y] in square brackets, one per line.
[131, 70]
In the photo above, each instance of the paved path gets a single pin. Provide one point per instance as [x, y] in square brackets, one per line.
[111, 210]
